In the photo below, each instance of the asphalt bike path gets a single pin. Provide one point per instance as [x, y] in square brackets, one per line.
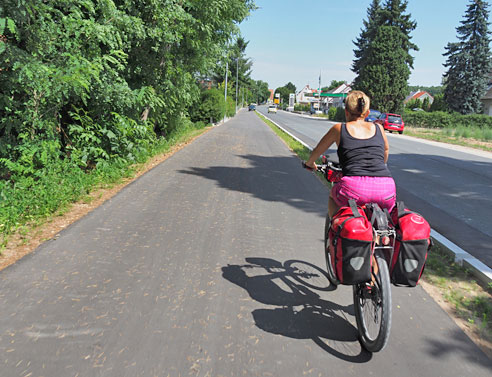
[210, 264]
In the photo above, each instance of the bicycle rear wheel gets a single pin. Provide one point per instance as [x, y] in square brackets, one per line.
[332, 277]
[372, 304]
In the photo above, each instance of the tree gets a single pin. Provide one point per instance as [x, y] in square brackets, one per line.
[365, 38]
[285, 91]
[426, 104]
[259, 90]
[384, 70]
[439, 104]
[290, 87]
[110, 75]
[334, 84]
[468, 61]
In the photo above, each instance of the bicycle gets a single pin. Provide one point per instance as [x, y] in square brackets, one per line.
[372, 299]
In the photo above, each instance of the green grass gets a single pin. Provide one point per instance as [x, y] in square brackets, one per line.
[458, 136]
[293, 144]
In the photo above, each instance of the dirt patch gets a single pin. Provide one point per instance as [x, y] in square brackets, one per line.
[28, 238]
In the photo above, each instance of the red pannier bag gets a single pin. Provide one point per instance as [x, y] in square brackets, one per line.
[412, 245]
[351, 243]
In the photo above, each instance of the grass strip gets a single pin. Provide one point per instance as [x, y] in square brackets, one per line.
[441, 135]
[293, 144]
[471, 301]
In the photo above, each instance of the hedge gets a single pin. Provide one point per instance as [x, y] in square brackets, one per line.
[440, 119]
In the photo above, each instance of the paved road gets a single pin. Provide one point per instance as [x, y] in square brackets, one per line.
[450, 185]
[195, 270]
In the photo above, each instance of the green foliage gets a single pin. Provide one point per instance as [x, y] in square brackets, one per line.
[211, 108]
[340, 115]
[285, 91]
[91, 86]
[468, 61]
[300, 107]
[332, 112]
[413, 103]
[260, 92]
[336, 114]
[432, 90]
[333, 85]
[366, 37]
[383, 59]
[440, 119]
[439, 103]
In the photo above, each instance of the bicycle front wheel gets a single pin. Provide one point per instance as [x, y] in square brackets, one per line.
[372, 304]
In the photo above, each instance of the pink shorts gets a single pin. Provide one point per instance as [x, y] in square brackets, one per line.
[380, 190]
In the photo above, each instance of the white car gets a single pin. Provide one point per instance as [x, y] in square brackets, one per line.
[272, 109]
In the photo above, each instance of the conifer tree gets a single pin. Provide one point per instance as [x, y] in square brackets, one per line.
[365, 38]
[387, 61]
[468, 61]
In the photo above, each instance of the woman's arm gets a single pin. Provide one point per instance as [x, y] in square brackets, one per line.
[386, 144]
[332, 136]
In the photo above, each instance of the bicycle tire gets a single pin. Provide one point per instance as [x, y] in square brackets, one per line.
[372, 305]
[332, 277]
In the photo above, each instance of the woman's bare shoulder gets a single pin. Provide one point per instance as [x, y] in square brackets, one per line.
[337, 127]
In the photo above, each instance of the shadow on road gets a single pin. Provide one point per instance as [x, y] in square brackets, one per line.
[274, 179]
[300, 312]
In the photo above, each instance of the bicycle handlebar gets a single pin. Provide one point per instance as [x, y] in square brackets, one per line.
[330, 169]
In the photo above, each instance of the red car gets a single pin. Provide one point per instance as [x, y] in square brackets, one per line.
[391, 122]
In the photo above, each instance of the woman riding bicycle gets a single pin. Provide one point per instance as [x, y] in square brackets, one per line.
[362, 152]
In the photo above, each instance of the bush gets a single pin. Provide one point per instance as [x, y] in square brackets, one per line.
[340, 115]
[332, 112]
[231, 107]
[211, 108]
[300, 107]
[441, 119]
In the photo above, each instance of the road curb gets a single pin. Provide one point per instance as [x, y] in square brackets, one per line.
[482, 272]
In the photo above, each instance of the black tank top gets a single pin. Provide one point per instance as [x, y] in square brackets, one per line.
[362, 157]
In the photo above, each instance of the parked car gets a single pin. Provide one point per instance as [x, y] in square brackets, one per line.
[373, 115]
[252, 107]
[272, 109]
[391, 122]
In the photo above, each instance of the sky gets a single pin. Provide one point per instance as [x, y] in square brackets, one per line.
[296, 40]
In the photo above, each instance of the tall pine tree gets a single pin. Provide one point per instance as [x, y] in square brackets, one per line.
[385, 68]
[468, 61]
[365, 38]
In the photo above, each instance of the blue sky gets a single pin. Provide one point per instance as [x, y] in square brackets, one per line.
[293, 40]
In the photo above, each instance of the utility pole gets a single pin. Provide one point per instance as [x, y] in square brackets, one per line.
[225, 89]
[237, 75]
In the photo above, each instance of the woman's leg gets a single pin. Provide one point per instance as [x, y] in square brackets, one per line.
[332, 207]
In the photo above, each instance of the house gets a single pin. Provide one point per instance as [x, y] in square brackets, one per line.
[487, 98]
[336, 101]
[421, 95]
[305, 96]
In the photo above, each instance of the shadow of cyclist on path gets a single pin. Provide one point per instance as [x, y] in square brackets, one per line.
[300, 312]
